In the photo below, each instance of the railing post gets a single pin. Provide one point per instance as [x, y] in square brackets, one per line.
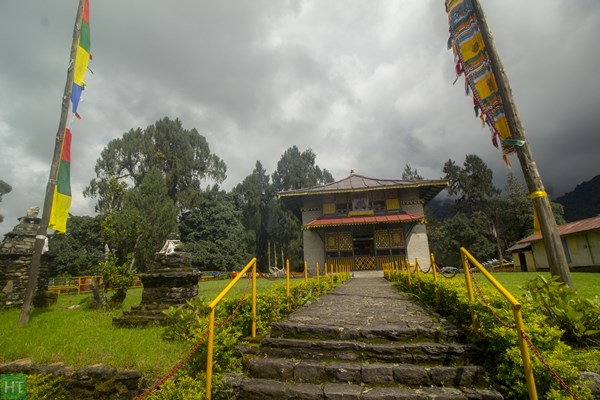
[465, 265]
[332, 276]
[254, 299]
[407, 264]
[209, 353]
[433, 267]
[317, 273]
[287, 282]
[305, 272]
[527, 367]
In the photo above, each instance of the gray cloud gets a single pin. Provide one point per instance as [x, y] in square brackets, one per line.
[366, 85]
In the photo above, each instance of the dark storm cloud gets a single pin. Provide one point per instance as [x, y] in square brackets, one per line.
[366, 85]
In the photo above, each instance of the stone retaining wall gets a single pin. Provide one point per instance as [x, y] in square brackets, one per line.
[90, 382]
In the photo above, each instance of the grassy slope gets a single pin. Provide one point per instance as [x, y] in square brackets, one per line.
[83, 336]
[586, 283]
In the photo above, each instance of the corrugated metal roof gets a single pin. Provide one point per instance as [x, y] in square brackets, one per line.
[428, 189]
[357, 183]
[373, 219]
[583, 225]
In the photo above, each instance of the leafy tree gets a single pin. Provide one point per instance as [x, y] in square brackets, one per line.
[474, 224]
[297, 170]
[181, 155]
[515, 211]
[448, 236]
[78, 251]
[472, 184]
[410, 174]
[142, 225]
[4, 189]
[214, 234]
[252, 196]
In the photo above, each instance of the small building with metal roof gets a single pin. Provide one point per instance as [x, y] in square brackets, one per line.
[363, 222]
[581, 242]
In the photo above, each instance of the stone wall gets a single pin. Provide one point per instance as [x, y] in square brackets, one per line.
[90, 382]
[15, 260]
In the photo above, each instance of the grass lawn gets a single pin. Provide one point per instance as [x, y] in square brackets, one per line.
[586, 283]
[82, 336]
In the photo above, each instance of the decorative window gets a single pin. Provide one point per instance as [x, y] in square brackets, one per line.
[345, 241]
[382, 239]
[397, 238]
[331, 241]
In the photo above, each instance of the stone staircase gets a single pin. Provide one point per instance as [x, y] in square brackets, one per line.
[362, 341]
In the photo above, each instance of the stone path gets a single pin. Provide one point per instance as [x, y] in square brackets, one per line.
[363, 340]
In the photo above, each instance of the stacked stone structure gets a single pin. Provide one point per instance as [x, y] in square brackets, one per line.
[170, 285]
[16, 251]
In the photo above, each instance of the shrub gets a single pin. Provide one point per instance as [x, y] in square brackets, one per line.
[45, 387]
[578, 317]
[502, 356]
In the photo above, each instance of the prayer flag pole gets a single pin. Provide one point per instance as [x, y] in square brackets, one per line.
[552, 242]
[42, 231]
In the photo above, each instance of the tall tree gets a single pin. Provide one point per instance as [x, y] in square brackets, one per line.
[181, 155]
[214, 234]
[252, 196]
[410, 174]
[297, 170]
[515, 212]
[472, 184]
[143, 224]
[474, 194]
[80, 249]
[4, 189]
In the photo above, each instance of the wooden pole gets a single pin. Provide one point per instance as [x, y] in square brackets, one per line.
[552, 242]
[42, 231]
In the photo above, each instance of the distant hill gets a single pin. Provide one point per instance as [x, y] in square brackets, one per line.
[583, 202]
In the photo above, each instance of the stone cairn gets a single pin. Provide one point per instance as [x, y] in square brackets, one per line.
[170, 285]
[16, 251]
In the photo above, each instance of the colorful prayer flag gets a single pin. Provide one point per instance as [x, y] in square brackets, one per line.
[82, 58]
[61, 202]
[473, 60]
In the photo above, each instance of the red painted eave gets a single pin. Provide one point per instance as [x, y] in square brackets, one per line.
[374, 219]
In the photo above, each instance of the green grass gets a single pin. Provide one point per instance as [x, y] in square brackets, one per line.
[83, 336]
[586, 283]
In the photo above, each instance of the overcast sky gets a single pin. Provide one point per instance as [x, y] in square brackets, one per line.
[366, 84]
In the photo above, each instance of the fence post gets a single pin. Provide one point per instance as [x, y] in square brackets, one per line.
[287, 282]
[209, 353]
[254, 299]
[305, 272]
[433, 267]
[332, 276]
[465, 264]
[317, 273]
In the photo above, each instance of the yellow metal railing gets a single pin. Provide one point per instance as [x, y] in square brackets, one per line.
[211, 318]
[467, 259]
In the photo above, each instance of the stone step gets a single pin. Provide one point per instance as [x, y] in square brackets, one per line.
[403, 353]
[140, 312]
[268, 389]
[420, 332]
[408, 375]
[138, 321]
